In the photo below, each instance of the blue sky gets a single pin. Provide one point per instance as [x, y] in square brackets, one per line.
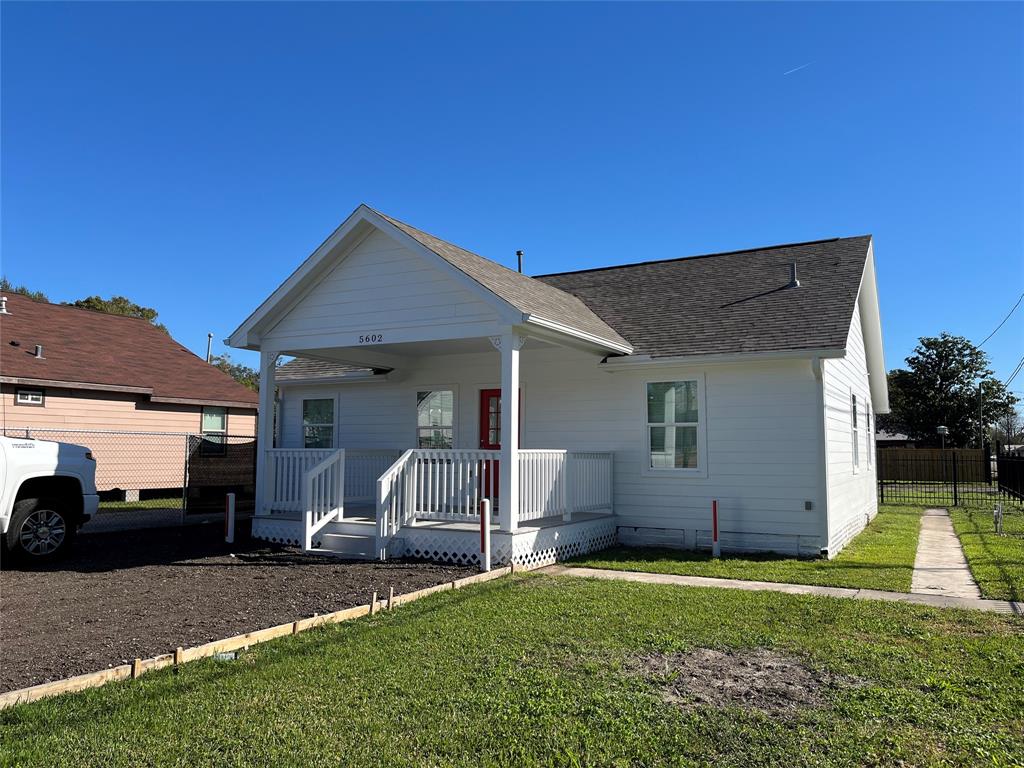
[190, 155]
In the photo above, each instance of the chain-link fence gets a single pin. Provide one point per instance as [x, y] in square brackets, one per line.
[149, 479]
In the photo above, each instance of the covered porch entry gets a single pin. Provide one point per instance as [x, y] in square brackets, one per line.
[387, 302]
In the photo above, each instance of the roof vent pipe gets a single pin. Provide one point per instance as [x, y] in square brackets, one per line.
[793, 282]
[39, 352]
[519, 257]
[3, 306]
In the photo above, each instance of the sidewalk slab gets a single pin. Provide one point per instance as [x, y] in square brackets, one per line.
[935, 601]
[940, 567]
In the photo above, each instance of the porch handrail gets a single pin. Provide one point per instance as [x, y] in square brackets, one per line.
[561, 483]
[394, 507]
[286, 471]
[323, 495]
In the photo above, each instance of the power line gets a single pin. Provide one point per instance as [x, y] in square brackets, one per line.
[1014, 309]
[1016, 370]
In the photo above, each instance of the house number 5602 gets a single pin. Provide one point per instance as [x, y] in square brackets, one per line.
[371, 338]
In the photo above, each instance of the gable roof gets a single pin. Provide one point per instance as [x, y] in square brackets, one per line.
[530, 296]
[728, 303]
[304, 368]
[88, 349]
[518, 298]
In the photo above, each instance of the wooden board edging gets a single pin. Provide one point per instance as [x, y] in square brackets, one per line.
[184, 655]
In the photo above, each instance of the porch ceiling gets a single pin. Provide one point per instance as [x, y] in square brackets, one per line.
[382, 353]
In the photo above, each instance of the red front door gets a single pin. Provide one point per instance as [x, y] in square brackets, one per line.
[490, 438]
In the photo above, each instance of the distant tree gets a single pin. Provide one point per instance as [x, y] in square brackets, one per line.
[119, 305]
[243, 374]
[947, 382]
[1009, 430]
[7, 286]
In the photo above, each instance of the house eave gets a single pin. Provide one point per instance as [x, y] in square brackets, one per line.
[598, 341]
[646, 361]
[59, 384]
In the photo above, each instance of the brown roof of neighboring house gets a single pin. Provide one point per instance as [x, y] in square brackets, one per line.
[96, 350]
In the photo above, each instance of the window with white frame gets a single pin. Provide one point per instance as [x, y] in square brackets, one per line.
[215, 430]
[30, 397]
[435, 418]
[869, 433]
[673, 425]
[856, 430]
[318, 423]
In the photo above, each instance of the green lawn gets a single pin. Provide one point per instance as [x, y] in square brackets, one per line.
[540, 671]
[997, 561]
[132, 506]
[881, 557]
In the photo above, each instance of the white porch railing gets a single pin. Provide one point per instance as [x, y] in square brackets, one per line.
[286, 474]
[324, 497]
[363, 467]
[555, 483]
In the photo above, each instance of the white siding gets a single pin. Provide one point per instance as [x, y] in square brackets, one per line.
[763, 438]
[851, 489]
[380, 286]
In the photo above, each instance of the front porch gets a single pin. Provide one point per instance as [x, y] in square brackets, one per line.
[426, 503]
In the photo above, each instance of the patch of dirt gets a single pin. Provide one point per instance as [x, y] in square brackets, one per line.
[119, 596]
[757, 678]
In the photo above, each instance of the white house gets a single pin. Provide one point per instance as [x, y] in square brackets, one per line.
[646, 391]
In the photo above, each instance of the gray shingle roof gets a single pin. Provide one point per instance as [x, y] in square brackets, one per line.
[310, 368]
[729, 302]
[524, 293]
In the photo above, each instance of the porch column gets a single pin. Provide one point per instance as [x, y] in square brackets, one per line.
[509, 345]
[264, 425]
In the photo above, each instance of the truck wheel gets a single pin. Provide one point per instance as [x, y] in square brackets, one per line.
[40, 531]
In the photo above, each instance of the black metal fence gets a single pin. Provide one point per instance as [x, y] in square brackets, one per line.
[149, 479]
[947, 477]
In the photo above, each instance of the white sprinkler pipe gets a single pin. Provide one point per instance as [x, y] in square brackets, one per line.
[716, 548]
[485, 535]
[229, 519]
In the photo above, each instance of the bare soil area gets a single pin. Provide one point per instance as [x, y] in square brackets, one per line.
[136, 594]
[758, 678]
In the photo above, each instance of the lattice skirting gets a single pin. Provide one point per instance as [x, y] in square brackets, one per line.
[277, 531]
[534, 547]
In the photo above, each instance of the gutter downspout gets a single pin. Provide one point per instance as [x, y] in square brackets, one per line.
[818, 371]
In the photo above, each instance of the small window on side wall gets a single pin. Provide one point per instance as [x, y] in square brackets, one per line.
[318, 423]
[215, 430]
[673, 426]
[34, 397]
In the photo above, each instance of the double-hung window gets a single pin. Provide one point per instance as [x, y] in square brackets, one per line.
[674, 428]
[856, 431]
[870, 433]
[435, 418]
[215, 430]
[318, 423]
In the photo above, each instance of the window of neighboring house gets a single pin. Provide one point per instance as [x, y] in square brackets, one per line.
[30, 397]
[674, 426]
[215, 430]
[856, 431]
[318, 423]
[435, 418]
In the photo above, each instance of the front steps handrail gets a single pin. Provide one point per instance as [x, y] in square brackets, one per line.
[394, 500]
[323, 495]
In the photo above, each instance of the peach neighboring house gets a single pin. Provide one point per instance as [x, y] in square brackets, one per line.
[117, 384]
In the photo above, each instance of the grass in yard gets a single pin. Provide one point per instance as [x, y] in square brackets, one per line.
[132, 506]
[881, 557]
[996, 561]
[542, 671]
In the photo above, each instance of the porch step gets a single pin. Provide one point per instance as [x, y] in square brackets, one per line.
[348, 545]
[352, 527]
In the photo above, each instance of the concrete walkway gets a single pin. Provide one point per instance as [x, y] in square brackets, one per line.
[934, 600]
[940, 567]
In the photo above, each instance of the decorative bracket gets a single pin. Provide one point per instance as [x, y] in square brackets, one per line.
[517, 341]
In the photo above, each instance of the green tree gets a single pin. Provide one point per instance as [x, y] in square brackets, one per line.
[947, 382]
[120, 305]
[243, 374]
[6, 286]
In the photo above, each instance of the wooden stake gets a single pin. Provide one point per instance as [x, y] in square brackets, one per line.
[391, 598]
[179, 656]
[136, 668]
[295, 627]
[373, 604]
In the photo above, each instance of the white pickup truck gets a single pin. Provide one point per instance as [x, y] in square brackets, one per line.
[47, 491]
